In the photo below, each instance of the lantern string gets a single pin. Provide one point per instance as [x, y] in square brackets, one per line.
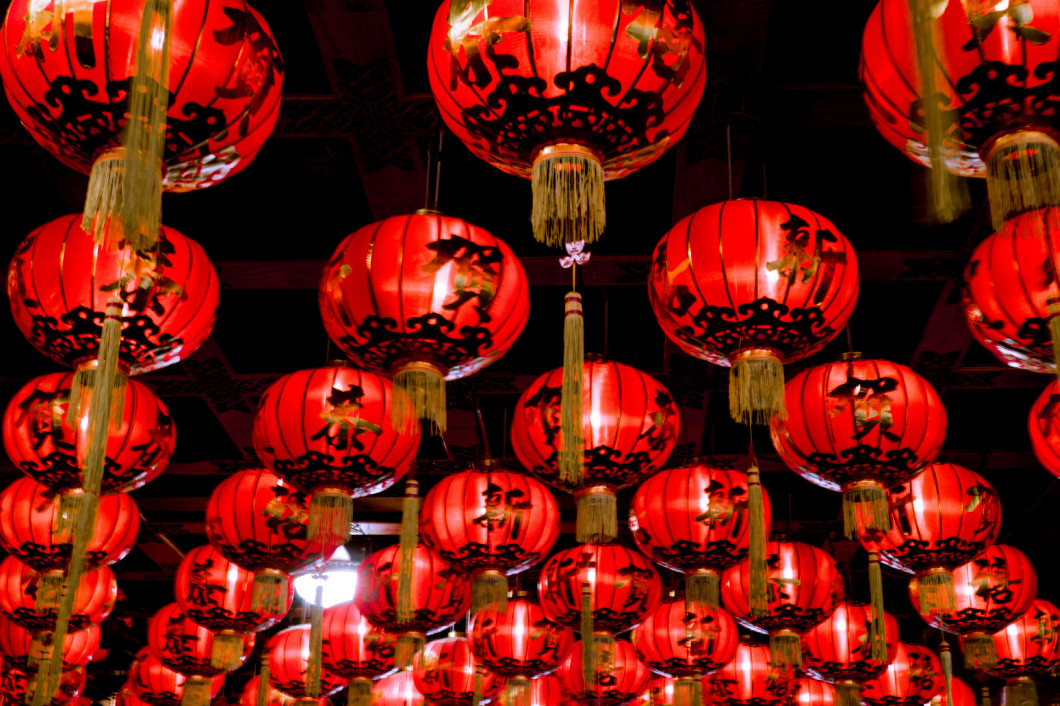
[728, 154]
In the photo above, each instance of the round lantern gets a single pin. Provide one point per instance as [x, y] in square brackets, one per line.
[184, 646]
[60, 281]
[329, 431]
[840, 649]
[579, 94]
[518, 642]
[990, 591]
[752, 285]
[811, 692]
[397, 690]
[659, 692]
[355, 650]
[34, 648]
[1045, 430]
[618, 676]
[249, 696]
[860, 425]
[629, 426]
[748, 679]
[545, 690]
[31, 599]
[1008, 285]
[1027, 647]
[424, 298]
[16, 681]
[49, 447]
[439, 597]
[289, 672]
[155, 684]
[447, 674]
[36, 526]
[960, 695]
[804, 585]
[490, 524]
[912, 678]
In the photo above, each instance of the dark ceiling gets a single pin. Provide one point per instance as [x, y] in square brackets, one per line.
[350, 148]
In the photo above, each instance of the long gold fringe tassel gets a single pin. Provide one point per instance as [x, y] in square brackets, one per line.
[488, 588]
[1022, 175]
[1019, 692]
[518, 692]
[330, 516]
[196, 691]
[756, 386]
[979, 651]
[408, 644]
[423, 388]
[568, 192]
[359, 692]
[785, 649]
[476, 695]
[227, 651]
[316, 644]
[688, 692]
[865, 508]
[935, 592]
[410, 536]
[878, 625]
[263, 682]
[572, 456]
[597, 515]
[1054, 329]
[847, 693]
[702, 587]
[756, 558]
[269, 592]
[946, 658]
[49, 592]
[588, 647]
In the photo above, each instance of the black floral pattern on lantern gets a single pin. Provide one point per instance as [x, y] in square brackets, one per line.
[721, 689]
[996, 97]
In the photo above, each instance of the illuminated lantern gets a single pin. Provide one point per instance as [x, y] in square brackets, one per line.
[29, 598]
[439, 597]
[424, 298]
[249, 696]
[447, 674]
[618, 675]
[962, 695]
[544, 691]
[36, 527]
[753, 285]
[989, 592]
[155, 684]
[576, 95]
[32, 648]
[841, 650]
[329, 432]
[490, 524]
[60, 281]
[913, 678]
[289, 671]
[184, 646]
[811, 692]
[355, 650]
[860, 425]
[695, 519]
[629, 426]
[748, 679]
[1027, 647]
[1008, 285]
[804, 585]
[659, 692]
[1045, 430]
[218, 595]
[397, 690]
[16, 681]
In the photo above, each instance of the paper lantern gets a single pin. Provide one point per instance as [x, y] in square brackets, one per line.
[447, 674]
[155, 684]
[544, 691]
[1027, 647]
[518, 642]
[31, 598]
[659, 692]
[1042, 424]
[289, 657]
[811, 692]
[16, 682]
[249, 696]
[355, 650]
[397, 690]
[618, 675]
[913, 678]
[23, 647]
[184, 646]
[962, 695]
[748, 679]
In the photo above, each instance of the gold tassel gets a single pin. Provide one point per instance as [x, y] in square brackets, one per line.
[979, 652]
[759, 588]
[588, 648]
[359, 692]
[487, 588]
[330, 516]
[785, 650]
[40, 648]
[568, 191]
[518, 692]
[878, 624]
[316, 644]
[84, 382]
[572, 456]
[476, 696]
[847, 693]
[423, 386]
[269, 592]
[703, 587]
[756, 386]
[865, 501]
[947, 670]
[1019, 692]
[597, 517]
[99, 412]
[688, 692]
[263, 682]
[408, 644]
[410, 537]
[984, 696]
[227, 651]
[49, 592]
[1022, 175]
[1054, 331]
[196, 691]
[935, 592]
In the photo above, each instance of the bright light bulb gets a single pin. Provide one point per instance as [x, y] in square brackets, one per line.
[339, 579]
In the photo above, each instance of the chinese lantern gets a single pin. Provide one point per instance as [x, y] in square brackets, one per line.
[447, 674]
[155, 684]
[696, 519]
[290, 670]
[685, 642]
[184, 646]
[617, 678]
[1044, 429]
[329, 432]
[579, 94]
[249, 696]
[28, 597]
[24, 648]
[438, 597]
[748, 679]
[912, 678]
[960, 695]
[843, 650]
[659, 692]
[804, 585]
[48, 446]
[490, 524]
[989, 592]
[355, 650]
[860, 425]
[218, 594]
[629, 426]
[1008, 285]
[787, 285]
[545, 690]
[811, 692]
[1027, 647]
[16, 682]
[397, 690]
[423, 298]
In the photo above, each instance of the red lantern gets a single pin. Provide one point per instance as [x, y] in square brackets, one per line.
[153, 683]
[913, 678]
[447, 674]
[677, 640]
[804, 585]
[752, 285]
[1045, 430]
[31, 599]
[811, 692]
[622, 586]
[518, 642]
[32, 648]
[1027, 647]
[397, 690]
[618, 675]
[859, 426]
[1008, 285]
[578, 94]
[962, 695]
[990, 591]
[184, 646]
[41, 440]
[249, 696]
[355, 650]
[544, 691]
[659, 692]
[840, 649]
[289, 672]
[225, 80]
[629, 427]
[329, 431]
[16, 681]
[748, 679]
[489, 524]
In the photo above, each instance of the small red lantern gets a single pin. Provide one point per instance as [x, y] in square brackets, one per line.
[1044, 427]
[913, 678]
[961, 695]
[17, 681]
[447, 674]
[1029, 646]
[155, 684]
[329, 431]
[748, 679]
[424, 298]
[618, 675]
[289, 656]
[397, 690]
[34, 648]
[629, 426]
[518, 642]
[355, 650]
[185, 646]
[811, 692]
[659, 692]
[249, 696]
[860, 425]
[31, 599]
[804, 585]
[490, 524]
[753, 285]
[545, 690]
[49, 447]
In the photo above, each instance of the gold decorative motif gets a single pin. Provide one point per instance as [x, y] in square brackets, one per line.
[44, 27]
[462, 33]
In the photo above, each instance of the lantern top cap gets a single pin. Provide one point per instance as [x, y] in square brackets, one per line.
[851, 355]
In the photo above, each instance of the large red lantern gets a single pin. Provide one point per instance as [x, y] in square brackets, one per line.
[659, 692]
[518, 642]
[860, 425]
[811, 692]
[31, 599]
[157, 685]
[184, 646]
[1029, 646]
[490, 524]
[748, 679]
[447, 674]
[752, 285]
[804, 585]
[618, 676]
[575, 95]
[841, 649]
[49, 447]
[24, 647]
[424, 298]
[912, 678]
[1043, 424]
[289, 657]
[329, 431]
[629, 426]
[544, 691]
[960, 694]
[355, 650]
[397, 690]
[16, 682]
